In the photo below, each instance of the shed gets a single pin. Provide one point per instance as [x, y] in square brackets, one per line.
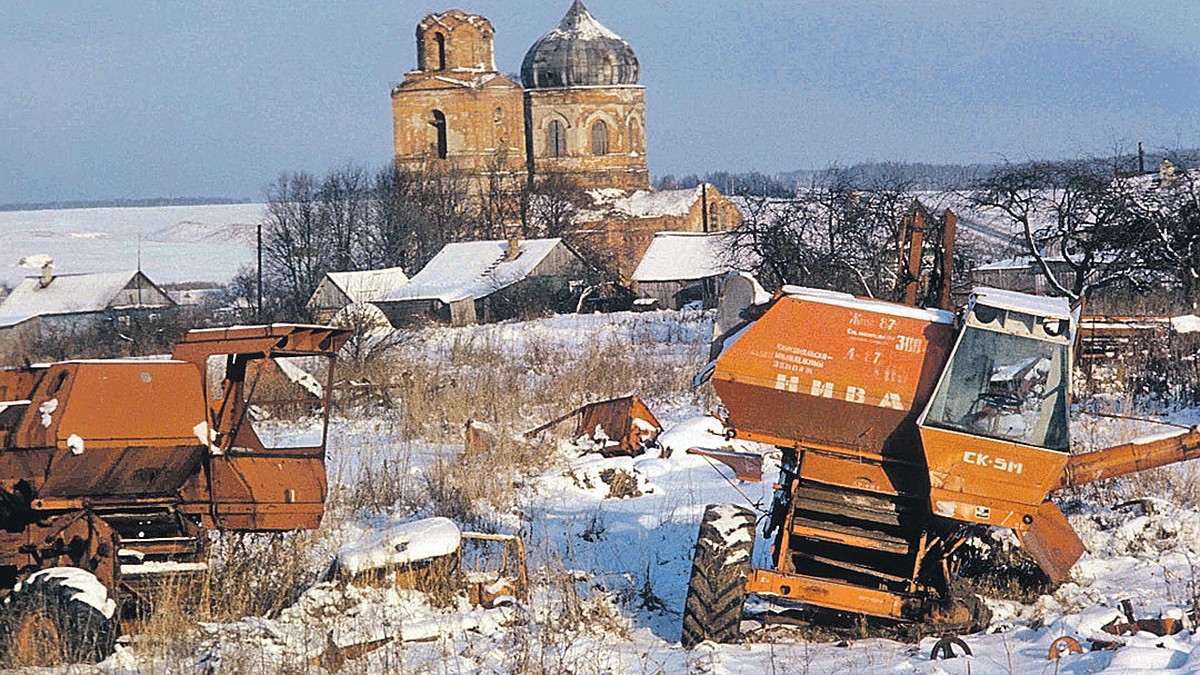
[683, 267]
[480, 281]
[339, 289]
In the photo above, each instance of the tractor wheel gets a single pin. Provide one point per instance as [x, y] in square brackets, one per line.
[58, 615]
[717, 588]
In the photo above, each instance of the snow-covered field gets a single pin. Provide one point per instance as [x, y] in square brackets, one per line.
[178, 243]
[620, 565]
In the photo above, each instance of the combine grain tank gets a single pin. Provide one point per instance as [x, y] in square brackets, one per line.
[112, 472]
[902, 437]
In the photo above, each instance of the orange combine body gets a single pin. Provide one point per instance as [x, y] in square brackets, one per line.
[111, 472]
[903, 432]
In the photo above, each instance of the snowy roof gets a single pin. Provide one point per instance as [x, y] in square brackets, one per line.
[1037, 305]
[679, 256]
[1018, 263]
[368, 285]
[869, 304]
[640, 203]
[65, 294]
[472, 269]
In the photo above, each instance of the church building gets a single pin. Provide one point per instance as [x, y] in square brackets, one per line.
[578, 112]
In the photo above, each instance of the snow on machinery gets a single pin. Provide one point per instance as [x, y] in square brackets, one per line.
[904, 433]
[111, 473]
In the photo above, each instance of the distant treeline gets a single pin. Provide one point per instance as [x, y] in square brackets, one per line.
[124, 203]
[916, 175]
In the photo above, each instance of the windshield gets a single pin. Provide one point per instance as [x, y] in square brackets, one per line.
[1004, 386]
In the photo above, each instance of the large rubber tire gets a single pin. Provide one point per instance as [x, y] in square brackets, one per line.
[58, 615]
[717, 588]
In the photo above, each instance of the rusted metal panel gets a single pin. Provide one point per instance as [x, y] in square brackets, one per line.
[834, 369]
[988, 473]
[625, 420]
[267, 490]
[273, 340]
[104, 455]
[864, 472]
[17, 384]
[828, 593]
[1052, 542]
[618, 426]
[746, 466]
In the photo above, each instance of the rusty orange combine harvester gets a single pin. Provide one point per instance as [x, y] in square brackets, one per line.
[111, 473]
[904, 433]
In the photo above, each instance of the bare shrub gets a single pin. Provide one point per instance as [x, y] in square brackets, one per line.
[255, 574]
[477, 484]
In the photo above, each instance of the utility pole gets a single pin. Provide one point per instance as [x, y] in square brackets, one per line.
[260, 304]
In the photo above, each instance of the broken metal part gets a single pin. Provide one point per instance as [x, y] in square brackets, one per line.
[746, 466]
[944, 648]
[1063, 646]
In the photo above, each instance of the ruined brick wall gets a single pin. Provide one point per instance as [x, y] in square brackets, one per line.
[456, 103]
[625, 238]
[621, 110]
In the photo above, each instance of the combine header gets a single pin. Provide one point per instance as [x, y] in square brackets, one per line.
[111, 473]
[905, 432]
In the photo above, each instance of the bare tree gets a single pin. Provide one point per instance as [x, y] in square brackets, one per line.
[1168, 218]
[1078, 212]
[553, 202]
[344, 208]
[837, 233]
[295, 245]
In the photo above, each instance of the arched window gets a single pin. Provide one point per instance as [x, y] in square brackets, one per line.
[441, 50]
[600, 138]
[556, 139]
[439, 125]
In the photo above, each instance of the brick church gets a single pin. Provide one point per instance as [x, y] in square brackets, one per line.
[578, 111]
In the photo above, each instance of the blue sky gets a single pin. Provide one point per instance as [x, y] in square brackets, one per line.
[128, 99]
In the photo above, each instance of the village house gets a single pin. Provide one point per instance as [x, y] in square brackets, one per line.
[339, 289]
[480, 281]
[684, 267]
[70, 303]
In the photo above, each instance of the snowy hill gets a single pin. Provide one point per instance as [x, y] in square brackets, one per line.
[178, 243]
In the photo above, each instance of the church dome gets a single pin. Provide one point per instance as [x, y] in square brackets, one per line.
[579, 52]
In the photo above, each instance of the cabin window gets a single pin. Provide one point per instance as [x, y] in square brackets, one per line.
[1004, 386]
[556, 139]
[600, 138]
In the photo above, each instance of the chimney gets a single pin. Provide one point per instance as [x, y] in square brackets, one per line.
[514, 248]
[1141, 159]
[47, 274]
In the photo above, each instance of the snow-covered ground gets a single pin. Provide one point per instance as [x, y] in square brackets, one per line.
[178, 243]
[627, 560]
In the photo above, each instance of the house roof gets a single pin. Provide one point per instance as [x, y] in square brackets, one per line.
[639, 203]
[685, 256]
[67, 294]
[368, 285]
[472, 269]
